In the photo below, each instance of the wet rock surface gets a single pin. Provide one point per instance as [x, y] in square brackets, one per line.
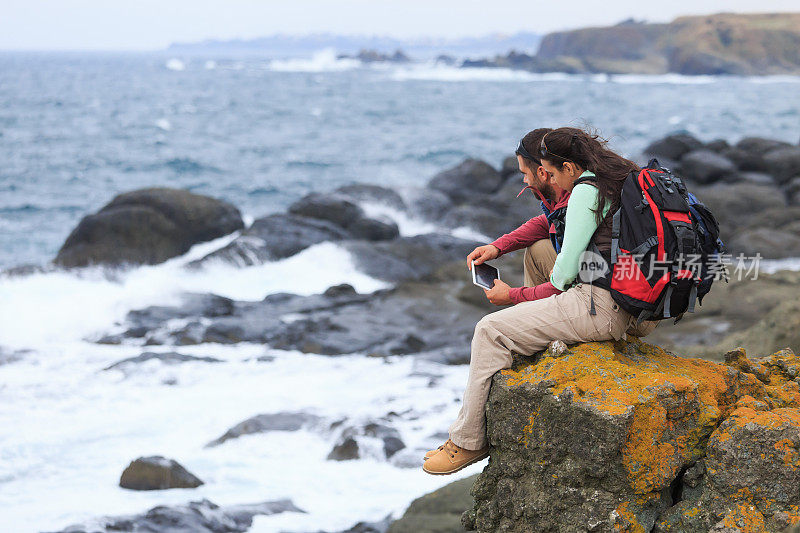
[619, 436]
[147, 226]
[157, 473]
[408, 319]
[201, 516]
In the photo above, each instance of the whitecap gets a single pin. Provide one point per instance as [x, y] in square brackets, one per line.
[322, 61]
[65, 306]
[175, 64]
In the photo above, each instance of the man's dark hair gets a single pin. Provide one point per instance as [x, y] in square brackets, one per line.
[531, 142]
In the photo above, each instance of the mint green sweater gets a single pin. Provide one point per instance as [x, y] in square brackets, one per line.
[580, 224]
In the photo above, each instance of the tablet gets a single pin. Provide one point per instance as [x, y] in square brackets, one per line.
[483, 275]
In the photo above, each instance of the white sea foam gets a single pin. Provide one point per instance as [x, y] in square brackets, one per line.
[175, 64]
[163, 124]
[50, 308]
[210, 64]
[322, 61]
[439, 72]
[641, 79]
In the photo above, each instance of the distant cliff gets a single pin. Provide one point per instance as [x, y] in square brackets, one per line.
[725, 43]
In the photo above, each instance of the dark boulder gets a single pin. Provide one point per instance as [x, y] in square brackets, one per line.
[768, 243]
[169, 358]
[339, 210]
[704, 166]
[331, 207]
[510, 167]
[274, 237]
[759, 145]
[197, 517]
[718, 145]
[783, 163]
[744, 160]
[363, 192]
[469, 179]
[734, 204]
[282, 421]
[344, 450]
[157, 473]
[673, 147]
[147, 226]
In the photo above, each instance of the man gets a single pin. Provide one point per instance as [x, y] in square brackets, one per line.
[540, 236]
[531, 320]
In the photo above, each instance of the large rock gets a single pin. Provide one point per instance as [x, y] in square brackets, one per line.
[469, 179]
[157, 473]
[340, 211]
[705, 166]
[673, 147]
[783, 163]
[147, 226]
[769, 243]
[734, 204]
[201, 516]
[599, 438]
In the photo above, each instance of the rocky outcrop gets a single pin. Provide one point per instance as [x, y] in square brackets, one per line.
[627, 437]
[201, 516]
[157, 473]
[725, 43]
[147, 226]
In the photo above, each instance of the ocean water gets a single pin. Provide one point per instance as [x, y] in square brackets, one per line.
[77, 129]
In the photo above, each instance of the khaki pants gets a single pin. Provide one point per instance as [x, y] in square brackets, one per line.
[528, 327]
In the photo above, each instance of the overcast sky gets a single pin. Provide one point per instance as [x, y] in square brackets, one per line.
[154, 24]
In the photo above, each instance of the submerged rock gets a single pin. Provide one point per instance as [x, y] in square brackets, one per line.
[157, 473]
[147, 226]
[283, 421]
[607, 436]
[201, 516]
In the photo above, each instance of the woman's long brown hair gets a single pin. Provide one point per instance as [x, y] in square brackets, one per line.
[589, 151]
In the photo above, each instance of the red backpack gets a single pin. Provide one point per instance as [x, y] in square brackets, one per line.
[665, 247]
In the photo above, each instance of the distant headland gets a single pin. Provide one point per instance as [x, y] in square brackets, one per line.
[723, 43]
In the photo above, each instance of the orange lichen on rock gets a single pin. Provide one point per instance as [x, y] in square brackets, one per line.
[676, 402]
[626, 520]
[746, 518]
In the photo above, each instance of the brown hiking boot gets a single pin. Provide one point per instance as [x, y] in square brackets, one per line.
[451, 458]
[431, 453]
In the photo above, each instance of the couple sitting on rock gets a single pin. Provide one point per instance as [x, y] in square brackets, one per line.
[579, 182]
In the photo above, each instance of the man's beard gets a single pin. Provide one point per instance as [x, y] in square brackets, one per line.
[547, 191]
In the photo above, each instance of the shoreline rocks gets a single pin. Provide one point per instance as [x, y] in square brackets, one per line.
[201, 516]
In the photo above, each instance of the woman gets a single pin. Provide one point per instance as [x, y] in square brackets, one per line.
[572, 311]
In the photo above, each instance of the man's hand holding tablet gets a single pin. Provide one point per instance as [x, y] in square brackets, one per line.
[488, 278]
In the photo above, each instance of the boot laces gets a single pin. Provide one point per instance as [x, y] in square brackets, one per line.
[450, 447]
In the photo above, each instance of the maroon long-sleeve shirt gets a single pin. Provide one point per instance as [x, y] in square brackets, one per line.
[531, 231]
